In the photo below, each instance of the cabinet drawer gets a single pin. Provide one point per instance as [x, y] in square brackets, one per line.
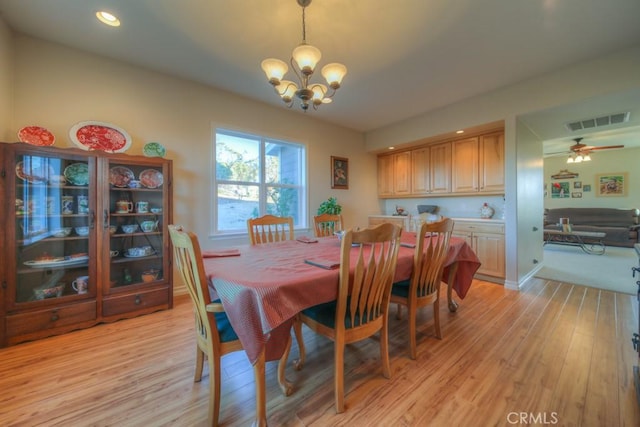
[478, 227]
[55, 317]
[135, 302]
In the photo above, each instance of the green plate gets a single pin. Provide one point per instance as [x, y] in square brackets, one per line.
[77, 174]
[154, 149]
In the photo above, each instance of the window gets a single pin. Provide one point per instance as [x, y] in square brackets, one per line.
[255, 176]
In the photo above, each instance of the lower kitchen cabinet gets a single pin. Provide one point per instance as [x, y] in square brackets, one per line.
[487, 241]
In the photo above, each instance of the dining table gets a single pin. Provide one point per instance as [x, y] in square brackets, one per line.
[262, 287]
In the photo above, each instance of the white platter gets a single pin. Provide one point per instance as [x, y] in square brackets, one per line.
[56, 262]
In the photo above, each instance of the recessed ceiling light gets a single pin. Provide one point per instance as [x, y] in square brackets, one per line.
[459, 131]
[392, 148]
[107, 18]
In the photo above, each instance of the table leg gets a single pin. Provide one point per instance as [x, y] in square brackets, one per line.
[261, 401]
[453, 269]
[285, 386]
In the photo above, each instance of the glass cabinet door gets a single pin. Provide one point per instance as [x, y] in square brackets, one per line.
[53, 228]
[135, 220]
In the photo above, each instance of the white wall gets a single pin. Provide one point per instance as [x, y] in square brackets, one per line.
[627, 160]
[58, 87]
[6, 67]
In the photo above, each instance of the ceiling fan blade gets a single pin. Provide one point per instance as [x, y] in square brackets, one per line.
[607, 147]
[557, 152]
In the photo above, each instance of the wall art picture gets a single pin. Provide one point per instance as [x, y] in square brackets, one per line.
[611, 184]
[339, 172]
[560, 190]
[586, 187]
[577, 184]
[576, 195]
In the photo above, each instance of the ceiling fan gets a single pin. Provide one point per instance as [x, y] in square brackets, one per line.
[583, 149]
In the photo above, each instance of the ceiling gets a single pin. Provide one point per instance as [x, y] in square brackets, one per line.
[404, 57]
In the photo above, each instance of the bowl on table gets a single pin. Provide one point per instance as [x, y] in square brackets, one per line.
[129, 228]
[82, 231]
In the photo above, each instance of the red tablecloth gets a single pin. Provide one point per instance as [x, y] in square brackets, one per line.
[263, 288]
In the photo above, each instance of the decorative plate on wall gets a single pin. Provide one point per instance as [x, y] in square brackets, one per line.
[100, 136]
[36, 135]
[154, 149]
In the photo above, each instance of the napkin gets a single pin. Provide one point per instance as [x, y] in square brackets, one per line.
[327, 264]
[408, 245]
[306, 239]
[221, 253]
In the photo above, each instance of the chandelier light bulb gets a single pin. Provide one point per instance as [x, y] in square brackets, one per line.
[275, 70]
[307, 57]
[333, 74]
[287, 90]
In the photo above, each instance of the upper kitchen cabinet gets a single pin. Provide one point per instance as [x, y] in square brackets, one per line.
[491, 163]
[452, 168]
[394, 174]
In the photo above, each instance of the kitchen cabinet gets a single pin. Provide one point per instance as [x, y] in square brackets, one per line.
[431, 169]
[394, 174]
[77, 216]
[487, 241]
[402, 221]
[452, 168]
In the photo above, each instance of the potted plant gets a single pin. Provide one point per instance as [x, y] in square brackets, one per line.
[330, 206]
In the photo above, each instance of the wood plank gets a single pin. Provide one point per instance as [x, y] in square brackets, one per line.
[550, 347]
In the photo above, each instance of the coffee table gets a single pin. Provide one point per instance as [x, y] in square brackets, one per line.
[574, 238]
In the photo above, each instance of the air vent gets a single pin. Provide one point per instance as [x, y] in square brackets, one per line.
[612, 119]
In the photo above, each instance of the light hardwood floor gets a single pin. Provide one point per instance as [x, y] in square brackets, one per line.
[559, 354]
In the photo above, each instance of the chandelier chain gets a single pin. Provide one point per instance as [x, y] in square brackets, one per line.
[304, 27]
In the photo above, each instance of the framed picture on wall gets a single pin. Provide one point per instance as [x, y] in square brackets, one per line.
[577, 184]
[586, 187]
[339, 172]
[611, 184]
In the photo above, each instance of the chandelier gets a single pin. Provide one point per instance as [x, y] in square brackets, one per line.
[303, 62]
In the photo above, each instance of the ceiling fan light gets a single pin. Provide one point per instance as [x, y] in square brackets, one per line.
[586, 158]
[307, 57]
[275, 70]
[570, 159]
[333, 74]
[578, 159]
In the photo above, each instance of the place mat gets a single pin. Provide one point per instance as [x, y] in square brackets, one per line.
[327, 264]
[408, 245]
[306, 239]
[221, 253]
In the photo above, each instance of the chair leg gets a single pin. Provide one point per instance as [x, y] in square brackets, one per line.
[384, 347]
[338, 380]
[199, 364]
[398, 311]
[214, 388]
[261, 400]
[285, 386]
[436, 317]
[413, 314]
[297, 328]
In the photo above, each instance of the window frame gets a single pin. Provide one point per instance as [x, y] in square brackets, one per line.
[262, 185]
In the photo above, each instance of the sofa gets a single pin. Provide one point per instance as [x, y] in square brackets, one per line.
[620, 225]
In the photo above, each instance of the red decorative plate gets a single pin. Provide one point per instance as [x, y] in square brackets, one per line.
[100, 136]
[151, 178]
[119, 176]
[36, 135]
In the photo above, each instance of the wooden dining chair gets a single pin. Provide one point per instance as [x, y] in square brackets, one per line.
[215, 335]
[423, 288]
[326, 224]
[361, 309]
[270, 228]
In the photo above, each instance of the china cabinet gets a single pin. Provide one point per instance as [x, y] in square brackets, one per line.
[85, 239]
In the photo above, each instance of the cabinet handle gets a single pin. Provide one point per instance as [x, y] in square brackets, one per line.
[636, 341]
[92, 218]
[106, 219]
[54, 315]
[138, 300]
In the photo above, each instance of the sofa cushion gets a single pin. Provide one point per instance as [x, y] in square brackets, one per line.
[604, 217]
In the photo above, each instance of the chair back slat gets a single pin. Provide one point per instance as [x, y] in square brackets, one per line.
[327, 224]
[269, 228]
[364, 295]
[432, 246]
